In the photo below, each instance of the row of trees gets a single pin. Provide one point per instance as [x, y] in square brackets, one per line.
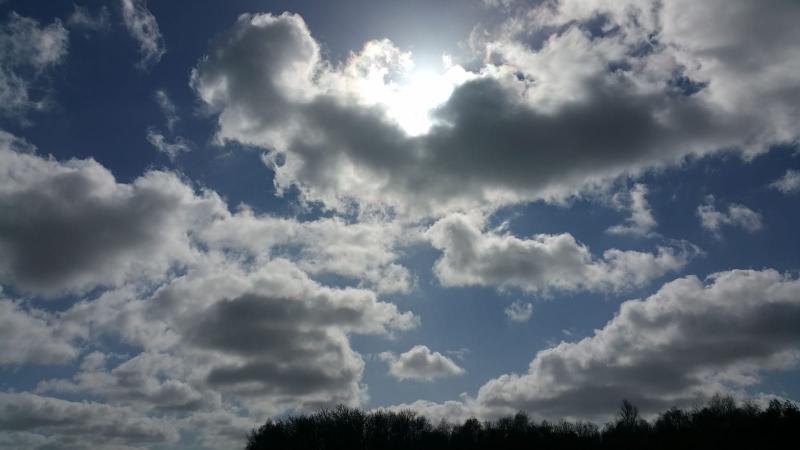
[722, 423]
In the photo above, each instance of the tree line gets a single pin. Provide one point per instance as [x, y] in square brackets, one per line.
[720, 424]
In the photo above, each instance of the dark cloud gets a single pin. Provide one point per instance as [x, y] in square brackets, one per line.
[500, 137]
[150, 380]
[75, 227]
[271, 338]
[79, 425]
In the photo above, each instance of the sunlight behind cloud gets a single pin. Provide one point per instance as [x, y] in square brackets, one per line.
[383, 75]
[425, 89]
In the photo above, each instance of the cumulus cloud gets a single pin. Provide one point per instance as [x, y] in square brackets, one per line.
[32, 336]
[47, 422]
[28, 51]
[455, 411]
[421, 364]
[641, 221]
[15, 144]
[686, 342]
[75, 227]
[789, 183]
[658, 84]
[271, 338]
[149, 380]
[143, 27]
[216, 308]
[473, 256]
[365, 250]
[738, 216]
[519, 312]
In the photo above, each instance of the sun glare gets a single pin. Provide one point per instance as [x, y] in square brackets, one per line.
[411, 98]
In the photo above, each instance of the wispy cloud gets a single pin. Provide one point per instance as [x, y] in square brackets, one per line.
[143, 27]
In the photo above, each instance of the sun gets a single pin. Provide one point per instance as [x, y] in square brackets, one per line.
[408, 93]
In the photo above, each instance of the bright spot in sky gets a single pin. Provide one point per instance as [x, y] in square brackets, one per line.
[416, 100]
[410, 94]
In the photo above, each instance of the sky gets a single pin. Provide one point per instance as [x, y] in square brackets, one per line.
[216, 213]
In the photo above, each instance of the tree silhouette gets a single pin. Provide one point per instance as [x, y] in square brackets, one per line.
[720, 424]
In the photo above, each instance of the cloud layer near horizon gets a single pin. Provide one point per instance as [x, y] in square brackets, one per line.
[685, 343]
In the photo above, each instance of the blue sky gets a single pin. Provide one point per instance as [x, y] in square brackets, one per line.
[219, 212]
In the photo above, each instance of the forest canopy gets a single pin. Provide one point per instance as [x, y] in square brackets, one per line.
[721, 423]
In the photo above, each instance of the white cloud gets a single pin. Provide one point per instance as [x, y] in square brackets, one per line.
[789, 183]
[46, 422]
[143, 27]
[678, 347]
[81, 17]
[32, 336]
[15, 144]
[738, 216]
[168, 108]
[421, 364]
[171, 149]
[473, 256]
[507, 132]
[641, 222]
[364, 250]
[27, 51]
[519, 312]
[454, 411]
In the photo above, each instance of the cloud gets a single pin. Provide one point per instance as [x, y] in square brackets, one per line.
[142, 26]
[171, 149]
[519, 312]
[473, 256]
[52, 422]
[149, 380]
[15, 144]
[75, 227]
[454, 411]
[270, 338]
[81, 17]
[219, 429]
[32, 336]
[366, 250]
[421, 364]
[28, 51]
[681, 345]
[216, 309]
[106, 233]
[168, 108]
[738, 216]
[641, 222]
[789, 183]
[532, 122]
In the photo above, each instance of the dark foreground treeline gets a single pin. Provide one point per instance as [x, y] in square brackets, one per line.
[721, 424]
